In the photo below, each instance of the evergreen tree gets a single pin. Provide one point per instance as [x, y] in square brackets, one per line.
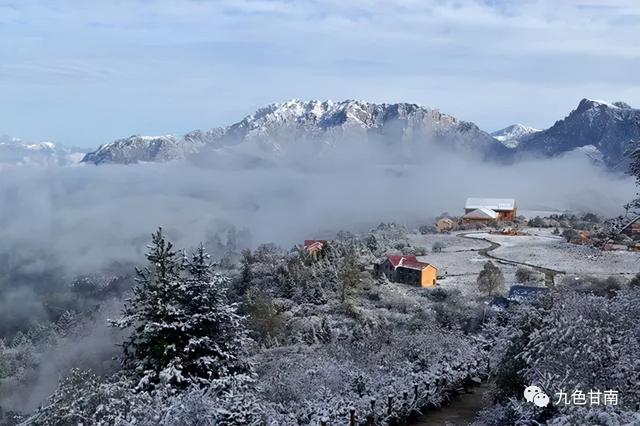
[183, 329]
[372, 243]
[348, 274]
[215, 334]
[67, 322]
[244, 281]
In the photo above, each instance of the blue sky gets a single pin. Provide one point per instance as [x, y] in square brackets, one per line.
[84, 72]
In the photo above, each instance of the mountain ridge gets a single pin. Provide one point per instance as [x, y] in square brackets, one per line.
[600, 130]
[15, 151]
[320, 125]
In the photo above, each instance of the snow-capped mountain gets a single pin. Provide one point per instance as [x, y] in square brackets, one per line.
[136, 149]
[605, 130]
[310, 127]
[15, 151]
[512, 135]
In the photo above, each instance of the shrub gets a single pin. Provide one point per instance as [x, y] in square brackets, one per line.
[592, 285]
[527, 275]
[537, 222]
[438, 246]
[437, 294]
[426, 229]
[265, 320]
[570, 235]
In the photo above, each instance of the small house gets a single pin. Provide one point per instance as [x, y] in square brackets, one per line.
[445, 224]
[504, 207]
[313, 247]
[480, 215]
[408, 270]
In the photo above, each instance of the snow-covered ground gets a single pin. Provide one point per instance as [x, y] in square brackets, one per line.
[541, 248]
[462, 260]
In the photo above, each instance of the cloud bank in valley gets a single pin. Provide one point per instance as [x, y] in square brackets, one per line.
[86, 217]
[60, 221]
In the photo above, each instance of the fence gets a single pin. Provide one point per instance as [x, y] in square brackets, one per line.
[401, 410]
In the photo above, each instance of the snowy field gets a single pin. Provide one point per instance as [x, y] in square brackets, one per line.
[462, 260]
[541, 248]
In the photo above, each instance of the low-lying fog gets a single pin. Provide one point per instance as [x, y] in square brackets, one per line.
[87, 216]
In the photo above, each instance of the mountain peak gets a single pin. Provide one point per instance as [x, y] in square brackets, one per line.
[511, 136]
[610, 128]
[586, 104]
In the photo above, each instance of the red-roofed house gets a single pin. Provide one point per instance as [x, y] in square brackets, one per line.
[408, 270]
[314, 246]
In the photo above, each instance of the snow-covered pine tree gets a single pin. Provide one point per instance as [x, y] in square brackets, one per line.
[152, 312]
[183, 330]
[217, 338]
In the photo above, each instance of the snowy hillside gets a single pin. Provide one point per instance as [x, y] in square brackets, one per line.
[310, 128]
[136, 149]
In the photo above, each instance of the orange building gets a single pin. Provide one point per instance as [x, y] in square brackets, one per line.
[408, 270]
